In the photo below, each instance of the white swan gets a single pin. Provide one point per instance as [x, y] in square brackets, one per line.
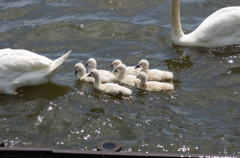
[130, 70]
[110, 88]
[82, 76]
[222, 28]
[92, 64]
[154, 74]
[144, 84]
[19, 68]
[122, 77]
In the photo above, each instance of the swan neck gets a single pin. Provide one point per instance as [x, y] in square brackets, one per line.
[97, 82]
[82, 73]
[176, 21]
[120, 75]
[142, 81]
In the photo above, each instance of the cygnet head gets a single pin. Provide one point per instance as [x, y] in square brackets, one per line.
[94, 73]
[121, 68]
[79, 67]
[92, 63]
[143, 76]
[115, 63]
[142, 64]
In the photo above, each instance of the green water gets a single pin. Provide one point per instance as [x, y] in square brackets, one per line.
[201, 117]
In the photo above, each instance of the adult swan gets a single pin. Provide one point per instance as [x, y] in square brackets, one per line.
[19, 68]
[221, 28]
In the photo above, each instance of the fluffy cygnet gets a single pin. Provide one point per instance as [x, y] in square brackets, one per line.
[92, 64]
[130, 70]
[82, 76]
[122, 77]
[110, 88]
[144, 84]
[154, 74]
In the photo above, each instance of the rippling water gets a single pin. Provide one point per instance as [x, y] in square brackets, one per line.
[201, 117]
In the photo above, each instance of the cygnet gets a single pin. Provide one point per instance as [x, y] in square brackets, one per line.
[92, 64]
[82, 76]
[144, 84]
[130, 70]
[122, 77]
[110, 88]
[154, 74]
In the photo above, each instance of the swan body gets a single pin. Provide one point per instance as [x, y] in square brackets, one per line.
[82, 76]
[20, 68]
[144, 84]
[222, 28]
[154, 74]
[122, 77]
[110, 88]
[92, 64]
[130, 70]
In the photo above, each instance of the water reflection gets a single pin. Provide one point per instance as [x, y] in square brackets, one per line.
[48, 91]
[180, 63]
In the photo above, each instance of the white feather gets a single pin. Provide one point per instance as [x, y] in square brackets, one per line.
[82, 75]
[92, 64]
[110, 88]
[219, 29]
[154, 74]
[144, 84]
[130, 70]
[122, 77]
[19, 68]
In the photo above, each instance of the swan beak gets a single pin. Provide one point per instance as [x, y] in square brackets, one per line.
[115, 70]
[75, 72]
[137, 67]
[111, 65]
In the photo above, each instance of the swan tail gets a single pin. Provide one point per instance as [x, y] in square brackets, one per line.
[59, 61]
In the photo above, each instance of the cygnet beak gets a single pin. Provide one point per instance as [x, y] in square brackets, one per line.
[75, 72]
[137, 76]
[86, 64]
[89, 75]
[111, 65]
[137, 67]
[115, 70]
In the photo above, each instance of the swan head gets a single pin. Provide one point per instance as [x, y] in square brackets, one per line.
[142, 64]
[115, 63]
[94, 73]
[79, 67]
[120, 68]
[92, 63]
[142, 76]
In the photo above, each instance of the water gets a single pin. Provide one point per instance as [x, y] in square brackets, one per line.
[201, 117]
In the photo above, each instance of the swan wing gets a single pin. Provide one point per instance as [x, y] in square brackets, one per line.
[21, 61]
